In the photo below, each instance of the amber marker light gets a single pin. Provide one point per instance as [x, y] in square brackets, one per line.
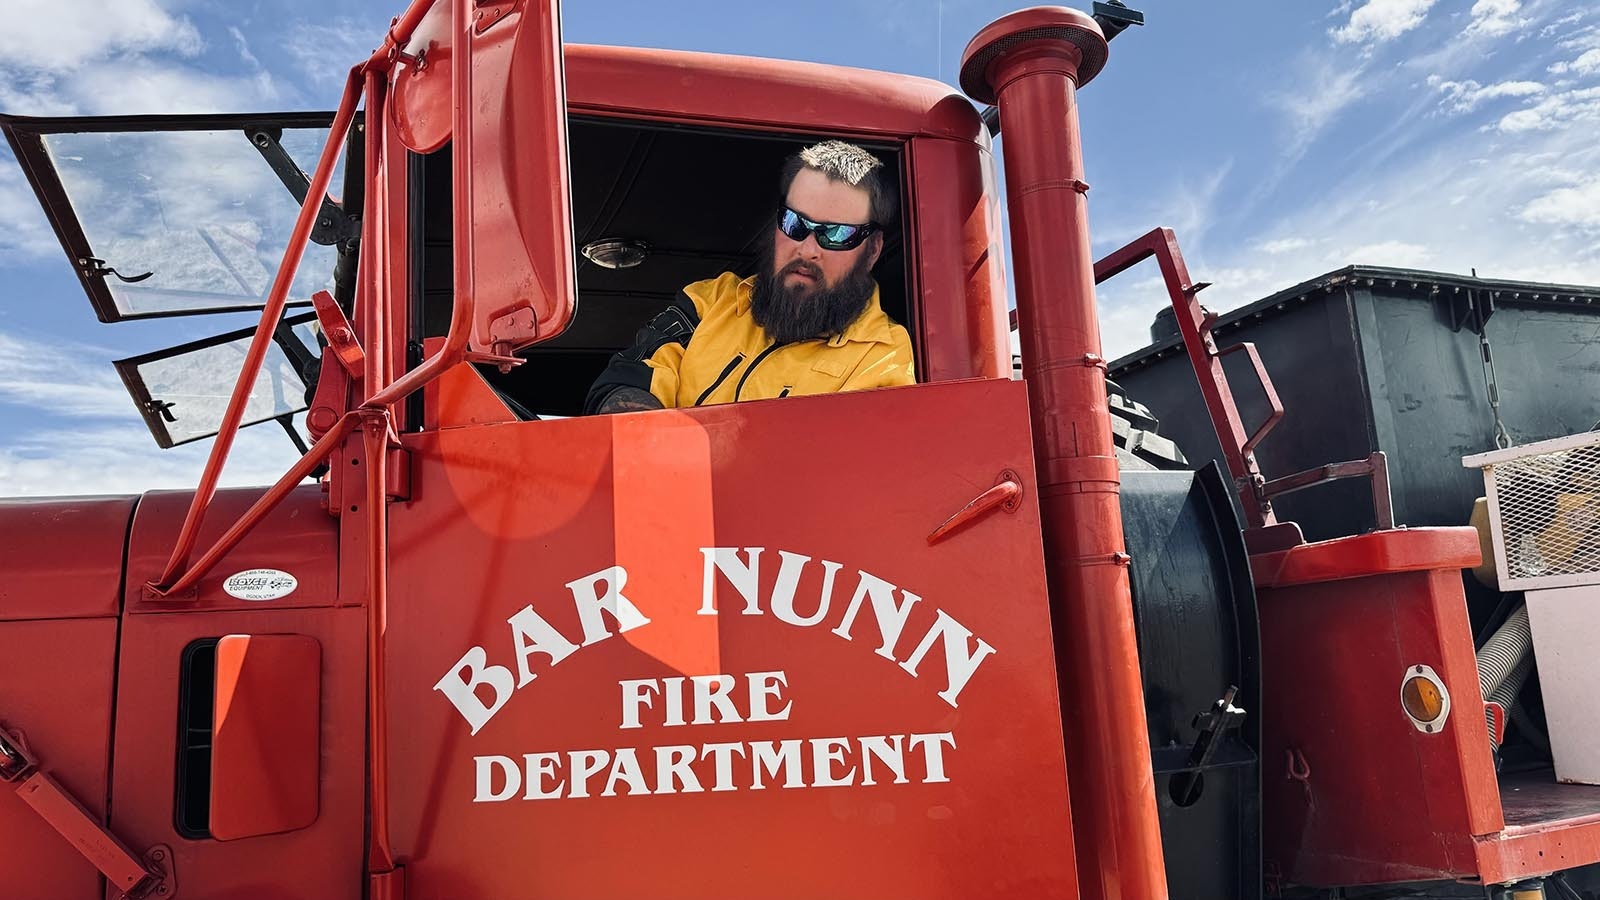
[1424, 698]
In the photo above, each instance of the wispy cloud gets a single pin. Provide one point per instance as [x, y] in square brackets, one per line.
[1586, 64]
[58, 35]
[1556, 111]
[325, 51]
[1465, 96]
[1313, 98]
[1283, 245]
[27, 233]
[127, 86]
[1494, 18]
[120, 459]
[50, 377]
[1378, 21]
[1578, 205]
[75, 429]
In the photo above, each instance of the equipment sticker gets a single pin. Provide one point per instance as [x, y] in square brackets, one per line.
[260, 584]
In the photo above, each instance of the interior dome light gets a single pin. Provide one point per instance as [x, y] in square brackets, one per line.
[616, 253]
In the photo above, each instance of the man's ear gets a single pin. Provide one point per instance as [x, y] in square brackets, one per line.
[874, 248]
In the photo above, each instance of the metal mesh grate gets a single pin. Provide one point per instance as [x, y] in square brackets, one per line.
[1544, 512]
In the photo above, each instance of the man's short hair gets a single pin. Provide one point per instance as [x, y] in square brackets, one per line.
[853, 166]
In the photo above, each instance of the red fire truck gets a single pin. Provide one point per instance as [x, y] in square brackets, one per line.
[877, 644]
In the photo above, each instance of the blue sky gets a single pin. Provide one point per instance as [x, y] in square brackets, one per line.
[1281, 140]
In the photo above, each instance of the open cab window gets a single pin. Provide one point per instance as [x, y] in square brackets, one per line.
[191, 215]
[176, 215]
[696, 201]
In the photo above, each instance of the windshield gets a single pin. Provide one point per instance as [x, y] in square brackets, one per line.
[200, 211]
[183, 391]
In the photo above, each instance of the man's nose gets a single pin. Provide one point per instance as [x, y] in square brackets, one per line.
[809, 248]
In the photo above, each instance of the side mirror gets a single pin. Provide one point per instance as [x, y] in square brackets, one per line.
[503, 108]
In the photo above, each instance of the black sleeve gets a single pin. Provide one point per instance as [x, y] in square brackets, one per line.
[675, 324]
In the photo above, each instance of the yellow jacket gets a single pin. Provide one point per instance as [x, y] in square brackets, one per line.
[706, 348]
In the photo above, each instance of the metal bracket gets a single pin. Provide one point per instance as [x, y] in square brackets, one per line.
[1375, 467]
[1212, 723]
[333, 224]
[1468, 308]
[16, 762]
[126, 873]
[491, 12]
[341, 336]
[1114, 17]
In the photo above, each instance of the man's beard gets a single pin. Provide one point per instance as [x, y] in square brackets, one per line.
[809, 311]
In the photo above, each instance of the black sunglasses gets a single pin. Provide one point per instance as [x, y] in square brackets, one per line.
[830, 235]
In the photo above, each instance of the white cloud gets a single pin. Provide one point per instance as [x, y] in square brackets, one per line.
[1386, 253]
[1586, 64]
[27, 233]
[1382, 20]
[122, 459]
[1283, 245]
[106, 448]
[137, 86]
[243, 46]
[1492, 18]
[51, 377]
[1577, 205]
[59, 35]
[1585, 38]
[1564, 21]
[1323, 89]
[1465, 96]
[325, 51]
[1556, 111]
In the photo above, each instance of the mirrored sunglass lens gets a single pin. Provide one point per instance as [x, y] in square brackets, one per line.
[792, 226]
[840, 234]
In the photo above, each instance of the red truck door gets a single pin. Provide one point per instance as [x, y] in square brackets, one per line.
[712, 653]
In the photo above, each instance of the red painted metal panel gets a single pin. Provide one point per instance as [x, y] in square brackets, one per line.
[517, 522]
[57, 692]
[1398, 550]
[1549, 827]
[1352, 792]
[741, 91]
[265, 734]
[82, 829]
[322, 861]
[62, 557]
[959, 261]
[298, 537]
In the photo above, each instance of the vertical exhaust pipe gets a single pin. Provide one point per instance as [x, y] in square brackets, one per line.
[1030, 64]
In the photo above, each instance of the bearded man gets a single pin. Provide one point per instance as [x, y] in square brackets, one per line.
[808, 321]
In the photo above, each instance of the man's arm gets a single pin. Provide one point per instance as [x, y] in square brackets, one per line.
[629, 382]
[628, 399]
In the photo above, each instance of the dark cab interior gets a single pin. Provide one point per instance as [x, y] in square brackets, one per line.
[699, 199]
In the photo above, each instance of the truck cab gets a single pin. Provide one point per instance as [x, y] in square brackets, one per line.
[661, 654]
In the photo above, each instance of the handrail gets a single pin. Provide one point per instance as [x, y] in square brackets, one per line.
[454, 349]
[270, 314]
[171, 584]
[1194, 324]
[258, 510]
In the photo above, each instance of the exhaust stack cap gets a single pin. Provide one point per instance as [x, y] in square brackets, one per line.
[1023, 27]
